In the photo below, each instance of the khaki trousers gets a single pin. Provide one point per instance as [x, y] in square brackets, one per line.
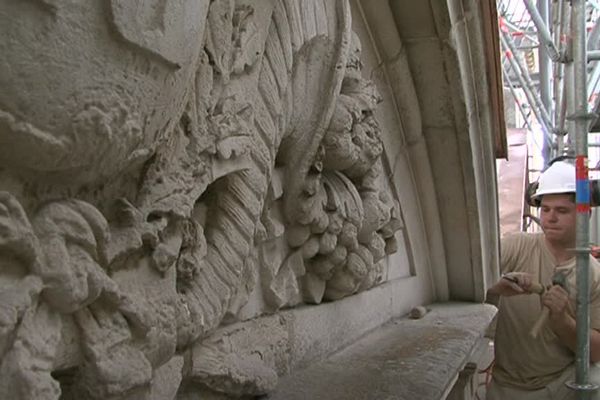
[556, 390]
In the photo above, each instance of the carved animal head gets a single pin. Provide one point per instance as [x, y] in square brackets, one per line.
[89, 90]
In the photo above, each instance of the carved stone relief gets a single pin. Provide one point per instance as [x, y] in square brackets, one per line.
[168, 167]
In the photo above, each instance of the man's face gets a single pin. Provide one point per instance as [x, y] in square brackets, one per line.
[558, 215]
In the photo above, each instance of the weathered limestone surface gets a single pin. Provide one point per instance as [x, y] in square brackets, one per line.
[403, 360]
[172, 168]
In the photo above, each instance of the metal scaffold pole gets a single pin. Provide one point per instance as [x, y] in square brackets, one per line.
[582, 356]
[520, 72]
[560, 92]
[541, 24]
[545, 67]
[516, 98]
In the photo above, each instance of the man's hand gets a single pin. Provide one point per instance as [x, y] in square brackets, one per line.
[512, 284]
[595, 251]
[556, 299]
[564, 326]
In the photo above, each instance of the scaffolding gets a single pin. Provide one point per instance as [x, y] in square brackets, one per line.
[550, 65]
[537, 65]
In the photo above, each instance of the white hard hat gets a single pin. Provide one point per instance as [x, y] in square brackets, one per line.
[558, 178]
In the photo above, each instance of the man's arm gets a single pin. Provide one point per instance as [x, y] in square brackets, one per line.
[511, 284]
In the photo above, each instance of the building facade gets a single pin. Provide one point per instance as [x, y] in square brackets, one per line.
[201, 197]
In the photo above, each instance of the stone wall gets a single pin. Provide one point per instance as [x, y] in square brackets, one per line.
[173, 173]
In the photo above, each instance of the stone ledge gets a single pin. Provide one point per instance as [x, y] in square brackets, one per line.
[404, 359]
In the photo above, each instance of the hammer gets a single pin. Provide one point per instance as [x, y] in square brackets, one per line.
[559, 278]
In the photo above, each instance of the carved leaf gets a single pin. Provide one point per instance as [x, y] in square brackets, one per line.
[25, 368]
[219, 44]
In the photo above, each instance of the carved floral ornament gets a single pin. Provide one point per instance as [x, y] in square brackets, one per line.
[250, 158]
